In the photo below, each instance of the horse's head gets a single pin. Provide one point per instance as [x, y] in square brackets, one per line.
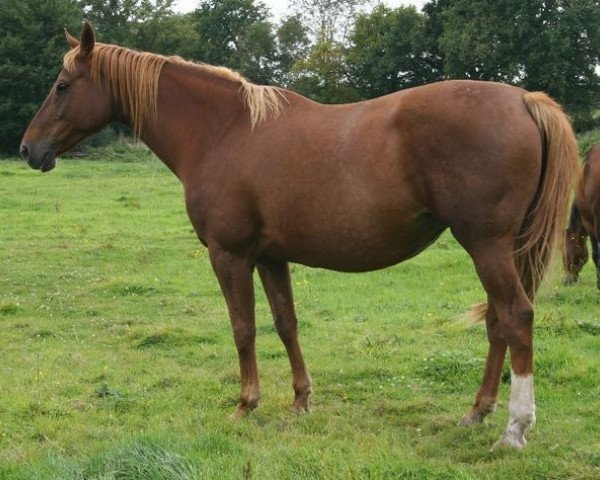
[76, 107]
[576, 255]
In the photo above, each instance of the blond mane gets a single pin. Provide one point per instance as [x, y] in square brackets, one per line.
[132, 77]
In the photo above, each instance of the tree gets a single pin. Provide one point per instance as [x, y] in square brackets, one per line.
[119, 21]
[236, 34]
[550, 45]
[323, 75]
[434, 11]
[170, 34]
[560, 45]
[32, 44]
[328, 20]
[478, 40]
[389, 51]
[293, 44]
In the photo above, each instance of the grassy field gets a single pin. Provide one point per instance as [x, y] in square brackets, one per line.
[118, 362]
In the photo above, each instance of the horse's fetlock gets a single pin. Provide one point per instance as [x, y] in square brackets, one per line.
[303, 388]
[250, 401]
[486, 405]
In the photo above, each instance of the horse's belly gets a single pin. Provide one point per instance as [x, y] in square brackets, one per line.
[359, 248]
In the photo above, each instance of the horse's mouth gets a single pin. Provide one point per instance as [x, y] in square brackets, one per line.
[48, 162]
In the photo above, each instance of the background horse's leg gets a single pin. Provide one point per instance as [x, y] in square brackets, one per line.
[276, 281]
[575, 255]
[496, 268]
[485, 403]
[596, 258]
[235, 277]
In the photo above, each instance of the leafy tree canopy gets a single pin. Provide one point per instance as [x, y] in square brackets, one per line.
[31, 47]
[237, 34]
[389, 51]
[328, 50]
[542, 45]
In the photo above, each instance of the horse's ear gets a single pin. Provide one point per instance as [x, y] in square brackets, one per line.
[73, 42]
[88, 39]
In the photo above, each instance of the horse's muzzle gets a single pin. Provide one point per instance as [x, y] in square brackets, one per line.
[38, 156]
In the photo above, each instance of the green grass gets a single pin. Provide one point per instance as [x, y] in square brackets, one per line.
[118, 361]
[587, 140]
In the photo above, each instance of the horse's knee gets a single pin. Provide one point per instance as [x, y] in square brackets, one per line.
[244, 336]
[524, 314]
[518, 321]
[286, 326]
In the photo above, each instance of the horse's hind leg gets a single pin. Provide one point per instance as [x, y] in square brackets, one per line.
[496, 268]
[485, 403]
[276, 281]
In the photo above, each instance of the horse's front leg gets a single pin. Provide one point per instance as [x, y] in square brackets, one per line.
[235, 277]
[276, 281]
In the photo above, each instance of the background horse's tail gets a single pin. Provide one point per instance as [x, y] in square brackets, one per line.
[542, 230]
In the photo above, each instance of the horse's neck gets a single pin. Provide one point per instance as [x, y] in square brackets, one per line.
[194, 110]
[575, 221]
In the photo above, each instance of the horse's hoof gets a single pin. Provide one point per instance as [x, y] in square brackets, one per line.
[510, 440]
[477, 414]
[241, 411]
[299, 409]
[300, 403]
[474, 417]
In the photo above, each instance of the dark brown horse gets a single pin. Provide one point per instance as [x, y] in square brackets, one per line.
[271, 177]
[584, 220]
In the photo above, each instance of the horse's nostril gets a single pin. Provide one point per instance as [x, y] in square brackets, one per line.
[24, 152]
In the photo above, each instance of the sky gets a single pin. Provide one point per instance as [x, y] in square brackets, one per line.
[278, 7]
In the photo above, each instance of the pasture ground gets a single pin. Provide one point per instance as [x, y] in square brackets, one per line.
[118, 361]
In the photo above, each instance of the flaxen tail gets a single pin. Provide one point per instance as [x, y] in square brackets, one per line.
[542, 230]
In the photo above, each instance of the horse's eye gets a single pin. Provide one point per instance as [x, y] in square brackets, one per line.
[62, 87]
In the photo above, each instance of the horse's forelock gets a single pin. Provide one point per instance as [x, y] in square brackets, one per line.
[69, 59]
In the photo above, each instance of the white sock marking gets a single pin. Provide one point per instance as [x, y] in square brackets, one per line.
[521, 409]
[522, 401]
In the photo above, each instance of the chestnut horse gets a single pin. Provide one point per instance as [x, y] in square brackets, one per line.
[271, 177]
[584, 220]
